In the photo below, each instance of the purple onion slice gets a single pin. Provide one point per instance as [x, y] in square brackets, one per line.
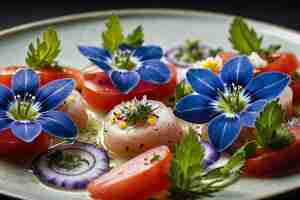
[71, 166]
[171, 58]
[211, 154]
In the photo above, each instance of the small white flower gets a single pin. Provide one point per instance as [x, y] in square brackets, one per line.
[256, 60]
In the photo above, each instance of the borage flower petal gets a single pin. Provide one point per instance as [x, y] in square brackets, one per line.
[125, 81]
[195, 109]
[25, 81]
[154, 71]
[58, 124]
[267, 85]
[26, 130]
[237, 71]
[95, 53]
[148, 52]
[6, 98]
[223, 131]
[205, 82]
[53, 94]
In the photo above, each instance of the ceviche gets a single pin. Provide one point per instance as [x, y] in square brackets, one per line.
[149, 123]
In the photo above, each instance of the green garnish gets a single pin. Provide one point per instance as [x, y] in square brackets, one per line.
[191, 52]
[245, 40]
[136, 38]
[45, 52]
[137, 111]
[189, 181]
[271, 129]
[154, 158]
[113, 37]
[215, 52]
[182, 89]
[68, 161]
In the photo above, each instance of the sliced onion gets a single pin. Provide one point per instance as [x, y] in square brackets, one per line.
[211, 154]
[170, 56]
[71, 166]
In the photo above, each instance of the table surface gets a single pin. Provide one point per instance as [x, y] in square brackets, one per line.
[283, 13]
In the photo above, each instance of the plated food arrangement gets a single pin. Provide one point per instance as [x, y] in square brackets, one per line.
[152, 123]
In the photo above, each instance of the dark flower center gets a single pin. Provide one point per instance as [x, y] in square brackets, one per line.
[23, 108]
[123, 60]
[232, 101]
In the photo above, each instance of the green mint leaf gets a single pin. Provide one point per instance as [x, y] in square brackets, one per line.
[243, 38]
[45, 52]
[271, 130]
[136, 38]
[113, 36]
[187, 162]
[271, 49]
[215, 52]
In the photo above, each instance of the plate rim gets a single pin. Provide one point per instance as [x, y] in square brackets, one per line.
[290, 34]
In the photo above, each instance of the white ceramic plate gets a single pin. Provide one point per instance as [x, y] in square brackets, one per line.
[165, 27]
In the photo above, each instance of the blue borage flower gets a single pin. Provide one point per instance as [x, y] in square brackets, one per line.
[230, 101]
[28, 110]
[128, 66]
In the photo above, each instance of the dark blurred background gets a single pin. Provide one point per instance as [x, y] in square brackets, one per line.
[284, 13]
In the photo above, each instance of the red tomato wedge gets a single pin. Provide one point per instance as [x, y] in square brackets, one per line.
[100, 93]
[46, 75]
[138, 179]
[19, 151]
[268, 162]
[295, 85]
[283, 62]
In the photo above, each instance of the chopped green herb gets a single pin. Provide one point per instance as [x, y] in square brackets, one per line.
[182, 89]
[215, 52]
[271, 129]
[189, 181]
[45, 52]
[136, 38]
[191, 52]
[154, 158]
[245, 40]
[113, 37]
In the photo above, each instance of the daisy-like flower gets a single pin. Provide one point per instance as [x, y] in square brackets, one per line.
[28, 110]
[230, 101]
[212, 63]
[127, 66]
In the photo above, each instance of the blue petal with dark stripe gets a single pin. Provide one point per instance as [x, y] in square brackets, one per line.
[4, 121]
[267, 85]
[6, 97]
[205, 82]
[195, 109]
[53, 94]
[58, 124]
[223, 131]
[148, 52]
[154, 71]
[103, 65]
[24, 81]
[238, 71]
[125, 82]
[26, 131]
[94, 52]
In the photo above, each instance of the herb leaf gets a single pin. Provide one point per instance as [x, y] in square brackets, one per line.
[270, 128]
[136, 38]
[113, 36]
[45, 52]
[243, 38]
[182, 89]
[189, 181]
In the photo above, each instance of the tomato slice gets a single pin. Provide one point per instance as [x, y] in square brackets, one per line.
[19, 151]
[283, 62]
[100, 93]
[268, 162]
[46, 75]
[137, 179]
